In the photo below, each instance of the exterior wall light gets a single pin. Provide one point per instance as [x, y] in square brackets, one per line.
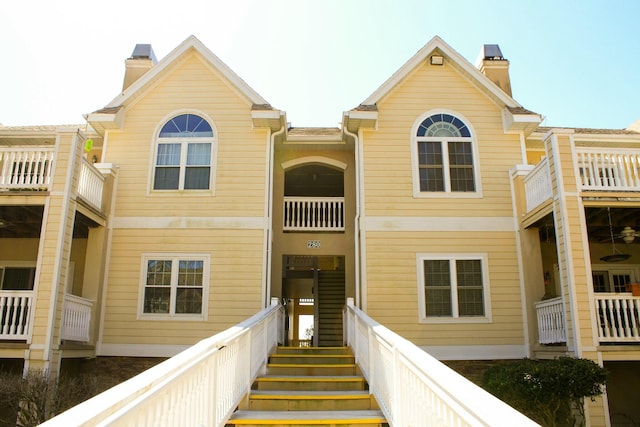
[437, 60]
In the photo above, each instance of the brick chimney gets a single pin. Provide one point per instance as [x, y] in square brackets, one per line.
[492, 64]
[142, 60]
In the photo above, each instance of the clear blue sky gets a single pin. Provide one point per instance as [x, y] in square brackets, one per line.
[575, 62]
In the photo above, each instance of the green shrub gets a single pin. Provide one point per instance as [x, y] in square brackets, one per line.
[551, 392]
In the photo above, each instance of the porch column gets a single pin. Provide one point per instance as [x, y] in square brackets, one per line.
[53, 256]
[573, 255]
[529, 257]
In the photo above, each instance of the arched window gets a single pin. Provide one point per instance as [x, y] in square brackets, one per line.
[445, 155]
[183, 157]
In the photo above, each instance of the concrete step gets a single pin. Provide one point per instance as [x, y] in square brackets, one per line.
[314, 350]
[311, 369]
[288, 400]
[322, 359]
[310, 383]
[368, 418]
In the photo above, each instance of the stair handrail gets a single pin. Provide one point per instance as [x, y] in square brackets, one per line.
[413, 388]
[202, 385]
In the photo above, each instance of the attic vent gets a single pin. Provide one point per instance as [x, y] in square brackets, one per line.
[492, 52]
[144, 51]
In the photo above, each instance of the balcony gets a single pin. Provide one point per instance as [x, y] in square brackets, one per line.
[26, 168]
[551, 324]
[609, 170]
[15, 308]
[313, 214]
[76, 318]
[617, 317]
[32, 169]
[537, 185]
[91, 184]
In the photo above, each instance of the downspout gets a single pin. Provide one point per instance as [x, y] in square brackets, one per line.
[356, 141]
[268, 231]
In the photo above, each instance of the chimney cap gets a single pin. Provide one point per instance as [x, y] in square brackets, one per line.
[144, 51]
[492, 52]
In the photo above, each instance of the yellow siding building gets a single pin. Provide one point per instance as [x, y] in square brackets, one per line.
[441, 205]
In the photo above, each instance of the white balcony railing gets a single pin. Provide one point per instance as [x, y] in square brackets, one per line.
[618, 319]
[15, 308]
[26, 168]
[76, 318]
[551, 324]
[313, 214]
[201, 386]
[413, 388]
[611, 169]
[537, 185]
[91, 184]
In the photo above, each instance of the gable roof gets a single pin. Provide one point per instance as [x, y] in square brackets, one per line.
[190, 44]
[457, 61]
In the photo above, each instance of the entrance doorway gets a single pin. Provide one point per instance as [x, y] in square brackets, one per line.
[314, 286]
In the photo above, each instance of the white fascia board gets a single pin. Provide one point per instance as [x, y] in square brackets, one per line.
[190, 43]
[458, 62]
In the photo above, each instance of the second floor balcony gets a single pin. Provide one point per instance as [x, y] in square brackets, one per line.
[313, 214]
[33, 169]
[599, 169]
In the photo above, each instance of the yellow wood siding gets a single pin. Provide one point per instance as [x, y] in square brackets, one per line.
[393, 290]
[387, 155]
[392, 270]
[240, 168]
[234, 287]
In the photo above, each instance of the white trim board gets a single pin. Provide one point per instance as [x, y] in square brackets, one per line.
[388, 223]
[257, 223]
[476, 352]
[140, 350]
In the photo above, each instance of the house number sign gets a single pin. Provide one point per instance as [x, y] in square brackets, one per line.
[313, 244]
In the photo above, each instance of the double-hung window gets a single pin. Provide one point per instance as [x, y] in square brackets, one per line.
[453, 288]
[445, 156]
[174, 285]
[184, 154]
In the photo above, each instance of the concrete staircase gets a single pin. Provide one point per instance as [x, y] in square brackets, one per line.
[331, 300]
[310, 386]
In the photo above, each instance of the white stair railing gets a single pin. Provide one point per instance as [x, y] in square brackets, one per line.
[201, 386]
[413, 388]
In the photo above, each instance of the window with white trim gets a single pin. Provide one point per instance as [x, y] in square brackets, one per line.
[453, 287]
[184, 153]
[174, 285]
[445, 155]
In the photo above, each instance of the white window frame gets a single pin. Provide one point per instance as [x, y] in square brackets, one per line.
[610, 271]
[184, 143]
[454, 318]
[175, 257]
[18, 264]
[415, 164]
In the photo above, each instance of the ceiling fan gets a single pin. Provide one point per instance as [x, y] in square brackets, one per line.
[628, 234]
[616, 255]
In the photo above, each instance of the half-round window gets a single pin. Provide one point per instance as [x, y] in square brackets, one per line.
[444, 125]
[185, 126]
[184, 154]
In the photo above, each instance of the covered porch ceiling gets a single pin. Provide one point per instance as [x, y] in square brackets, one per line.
[25, 222]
